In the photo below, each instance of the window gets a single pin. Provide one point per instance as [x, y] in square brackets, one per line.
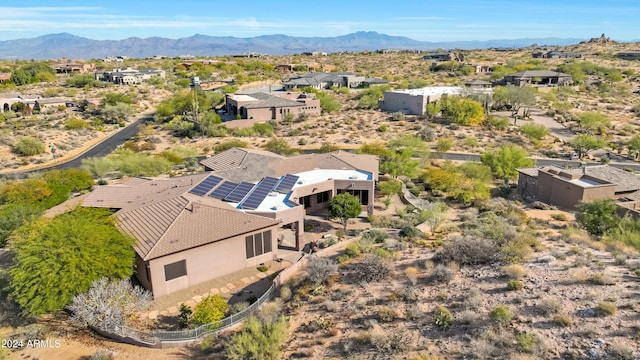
[322, 197]
[175, 270]
[258, 244]
[362, 195]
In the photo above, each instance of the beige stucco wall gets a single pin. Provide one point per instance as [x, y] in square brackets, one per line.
[208, 262]
[558, 191]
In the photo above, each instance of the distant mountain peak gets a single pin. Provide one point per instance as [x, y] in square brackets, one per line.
[60, 45]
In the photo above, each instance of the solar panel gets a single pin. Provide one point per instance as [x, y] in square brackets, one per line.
[286, 184]
[223, 190]
[205, 185]
[239, 192]
[259, 193]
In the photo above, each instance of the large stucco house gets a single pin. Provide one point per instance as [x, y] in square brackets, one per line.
[569, 187]
[129, 76]
[415, 101]
[195, 228]
[538, 78]
[274, 106]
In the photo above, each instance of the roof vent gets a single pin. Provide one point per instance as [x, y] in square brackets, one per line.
[273, 194]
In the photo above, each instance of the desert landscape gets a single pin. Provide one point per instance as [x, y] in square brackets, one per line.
[483, 274]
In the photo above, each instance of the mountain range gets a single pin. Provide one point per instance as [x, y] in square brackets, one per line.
[54, 46]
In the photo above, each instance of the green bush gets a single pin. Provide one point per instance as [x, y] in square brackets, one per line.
[28, 146]
[226, 145]
[353, 250]
[442, 317]
[534, 131]
[501, 315]
[210, 310]
[515, 285]
[258, 340]
[444, 144]
[75, 124]
[375, 235]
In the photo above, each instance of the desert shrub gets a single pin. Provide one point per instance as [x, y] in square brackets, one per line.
[353, 250]
[606, 309]
[387, 314]
[108, 303]
[410, 231]
[559, 216]
[534, 131]
[102, 354]
[393, 342]
[28, 146]
[343, 258]
[75, 124]
[562, 320]
[285, 293]
[412, 274]
[515, 285]
[210, 310]
[549, 305]
[602, 279]
[442, 317]
[238, 307]
[514, 271]
[444, 144]
[258, 340]
[372, 268]
[272, 310]
[530, 343]
[442, 274]
[320, 269]
[470, 251]
[501, 315]
[185, 317]
[375, 235]
[473, 299]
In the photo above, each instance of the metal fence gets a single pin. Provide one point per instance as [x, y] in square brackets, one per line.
[157, 337]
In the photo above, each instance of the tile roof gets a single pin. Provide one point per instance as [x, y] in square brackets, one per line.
[532, 171]
[179, 224]
[239, 158]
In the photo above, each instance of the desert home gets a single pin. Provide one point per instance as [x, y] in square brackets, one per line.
[36, 103]
[538, 78]
[129, 76]
[326, 80]
[415, 101]
[274, 106]
[569, 187]
[195, 228]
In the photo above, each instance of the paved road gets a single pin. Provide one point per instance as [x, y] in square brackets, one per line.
[101, 149]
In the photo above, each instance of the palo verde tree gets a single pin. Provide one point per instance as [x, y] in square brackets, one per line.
[57, 259]
[598, 216]
[462, 111]
[517, 97]
[505, 160]
[344, 206]
[583, 144]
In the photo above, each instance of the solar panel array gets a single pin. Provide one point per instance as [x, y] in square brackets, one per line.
[205, 185]
[286, 184]
[259, 193]
[239, 192]
[223, 190]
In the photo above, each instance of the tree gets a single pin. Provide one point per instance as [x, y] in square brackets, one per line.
[435, 215]
[505, 160]
[116, 113]
[328, 102]
[598, 216]
[109, 303]
[114, 98]
[344, 206]
[99, 167]
[517, 97]
[259, 340]
[57, 259]
[327, 147]
[24, 191]
[390, 187]
[278, 146]
[594, 122]
[374, 148]
[634, 145]
[462, 111]
[583, 144]
[20, 77]
[28, 146]
[210, 310]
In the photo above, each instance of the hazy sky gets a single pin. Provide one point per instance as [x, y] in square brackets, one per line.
[426, 20]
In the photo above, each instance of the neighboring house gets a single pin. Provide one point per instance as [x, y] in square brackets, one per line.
[67, 66]
[557, 54]
[483, 69]
[476, 83]
[322, 80]
[538, 77]
[569, 187]
[129, 76]
[264, 107]
[35, 103]
[630, 55]
[414, 101]
[195, 228]
[444, 56]
[5, 77]
[315, 53]
[110, 59]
